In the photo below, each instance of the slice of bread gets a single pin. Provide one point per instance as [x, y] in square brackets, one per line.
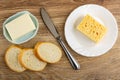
[11, 59]
[48, 52]
[28, 59]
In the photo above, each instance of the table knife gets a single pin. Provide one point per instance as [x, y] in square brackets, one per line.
[51, 27]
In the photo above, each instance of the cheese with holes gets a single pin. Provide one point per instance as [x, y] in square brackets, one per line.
[20, 26]
[92, 28]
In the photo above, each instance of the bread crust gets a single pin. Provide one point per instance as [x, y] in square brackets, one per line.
[40, 57]
[22, 63]
[6, 53]
[35, 49]
[20, 58]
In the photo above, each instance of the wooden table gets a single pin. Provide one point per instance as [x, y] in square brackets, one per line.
[105, 67]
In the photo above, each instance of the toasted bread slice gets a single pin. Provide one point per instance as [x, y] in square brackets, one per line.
[48, 52]
[28, 59]
[11, 59]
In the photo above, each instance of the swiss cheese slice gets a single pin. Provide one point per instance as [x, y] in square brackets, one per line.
[92, 28]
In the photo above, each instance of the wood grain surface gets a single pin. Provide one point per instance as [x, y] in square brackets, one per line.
[105, 67]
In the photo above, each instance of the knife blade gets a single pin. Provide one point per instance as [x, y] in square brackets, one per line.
[49, 23]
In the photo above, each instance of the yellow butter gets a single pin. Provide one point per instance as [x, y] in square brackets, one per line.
[20, 26]
[92, 28]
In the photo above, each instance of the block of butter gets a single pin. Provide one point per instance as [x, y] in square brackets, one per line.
[92, 28]
[20, 26]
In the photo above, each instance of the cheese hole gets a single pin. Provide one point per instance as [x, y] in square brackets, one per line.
[86, 25]
[96, 33]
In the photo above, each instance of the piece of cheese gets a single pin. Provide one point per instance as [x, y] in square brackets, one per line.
[92, 28]
[20, 26]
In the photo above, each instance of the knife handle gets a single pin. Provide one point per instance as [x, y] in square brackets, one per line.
[72, 60]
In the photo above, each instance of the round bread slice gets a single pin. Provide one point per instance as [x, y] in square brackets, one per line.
[48, 52]
[11, 59]
[28, 59]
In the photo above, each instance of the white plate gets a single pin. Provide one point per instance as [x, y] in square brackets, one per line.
[80, 43]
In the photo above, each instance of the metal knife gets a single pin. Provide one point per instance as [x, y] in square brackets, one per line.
[49, 23]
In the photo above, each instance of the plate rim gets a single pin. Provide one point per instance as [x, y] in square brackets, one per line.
[115, 22]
